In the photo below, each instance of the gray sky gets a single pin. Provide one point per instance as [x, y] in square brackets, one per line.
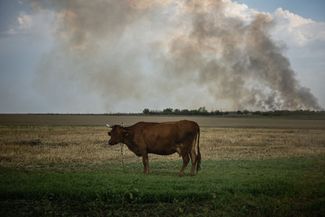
[53, 59]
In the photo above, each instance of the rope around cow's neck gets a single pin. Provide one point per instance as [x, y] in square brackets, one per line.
[122, 156]
[122, 153]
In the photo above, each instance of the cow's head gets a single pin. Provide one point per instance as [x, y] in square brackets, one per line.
[118, 134]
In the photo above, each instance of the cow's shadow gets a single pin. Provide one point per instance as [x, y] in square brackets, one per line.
[157, 172]
[157, 168]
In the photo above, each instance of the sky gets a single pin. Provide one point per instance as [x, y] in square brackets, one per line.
[313, 9]
[86, 58]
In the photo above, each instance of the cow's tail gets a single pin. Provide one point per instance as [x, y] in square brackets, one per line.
[198, 165]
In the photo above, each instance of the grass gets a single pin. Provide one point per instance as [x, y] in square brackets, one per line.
[70, 171]
[275, 187]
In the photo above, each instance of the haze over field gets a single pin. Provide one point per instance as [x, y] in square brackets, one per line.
[123, 56]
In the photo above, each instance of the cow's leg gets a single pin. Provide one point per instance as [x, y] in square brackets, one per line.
[186, 159]
[145, 162]
[194, 162]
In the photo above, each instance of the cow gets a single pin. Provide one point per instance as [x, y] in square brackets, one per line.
[163, 138]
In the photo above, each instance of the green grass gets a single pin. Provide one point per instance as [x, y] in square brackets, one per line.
[277, 187]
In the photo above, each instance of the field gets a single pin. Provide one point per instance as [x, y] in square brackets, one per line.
[61, 165]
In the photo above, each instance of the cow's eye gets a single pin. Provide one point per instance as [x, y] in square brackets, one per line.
[109, 133]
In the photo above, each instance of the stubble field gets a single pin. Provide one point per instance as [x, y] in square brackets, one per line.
[260, 167]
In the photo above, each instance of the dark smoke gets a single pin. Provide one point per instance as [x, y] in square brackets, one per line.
[172, 53]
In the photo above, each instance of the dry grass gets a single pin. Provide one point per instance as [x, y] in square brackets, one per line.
[40, 145]
[261, 143]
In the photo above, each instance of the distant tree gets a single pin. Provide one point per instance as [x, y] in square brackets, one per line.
[168, 110]
[146, 111]
[202, 110]
[245, 112]
[216, 112]
[176, 111]
[185, 111]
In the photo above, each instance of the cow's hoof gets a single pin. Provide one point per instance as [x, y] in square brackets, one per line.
[192, 174]
[180, 174]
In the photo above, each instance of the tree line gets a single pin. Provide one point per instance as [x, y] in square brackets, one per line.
[204, 111]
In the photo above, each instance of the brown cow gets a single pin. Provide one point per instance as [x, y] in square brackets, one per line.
[163, 139]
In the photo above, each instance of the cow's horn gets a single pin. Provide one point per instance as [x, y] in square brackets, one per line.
[107, 125]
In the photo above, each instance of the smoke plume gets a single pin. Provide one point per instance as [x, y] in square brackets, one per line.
[186, 53]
